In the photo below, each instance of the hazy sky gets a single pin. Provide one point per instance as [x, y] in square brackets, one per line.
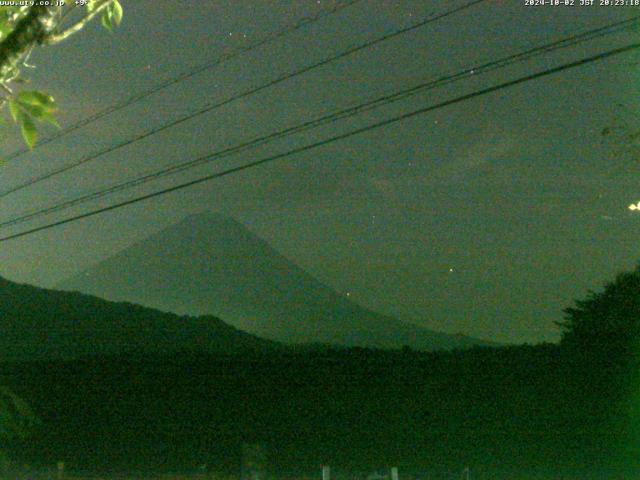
[487, 217]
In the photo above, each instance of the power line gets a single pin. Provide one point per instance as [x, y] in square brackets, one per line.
[209, 107]
[185, 76]
[332, 139]
[333, 117]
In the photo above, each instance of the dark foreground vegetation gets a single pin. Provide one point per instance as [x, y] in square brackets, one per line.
[534, 409]
[546, 411]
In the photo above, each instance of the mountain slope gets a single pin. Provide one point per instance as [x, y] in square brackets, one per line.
[42, 324]
[210, 264]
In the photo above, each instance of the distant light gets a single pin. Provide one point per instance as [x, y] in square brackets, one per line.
[451, 270]
[348, 294]
[634, 206]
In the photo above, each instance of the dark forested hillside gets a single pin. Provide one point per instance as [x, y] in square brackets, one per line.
[44, 324]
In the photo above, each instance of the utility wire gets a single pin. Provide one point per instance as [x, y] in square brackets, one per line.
[335, 138]
[185, 76]
[333, 117]
[209, 107]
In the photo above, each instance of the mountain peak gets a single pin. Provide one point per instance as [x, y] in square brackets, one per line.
[208, 219]
[209, 263]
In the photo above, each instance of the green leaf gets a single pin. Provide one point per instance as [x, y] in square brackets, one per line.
[51, 119]
[14, 109]
[36, 111]
[116, 12]
[106, 20]
[29, 132]
[5, 28]
[40, 113]
[112, 15]
[35, 98]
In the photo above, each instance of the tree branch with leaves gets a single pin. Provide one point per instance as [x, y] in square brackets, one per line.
[23, 29]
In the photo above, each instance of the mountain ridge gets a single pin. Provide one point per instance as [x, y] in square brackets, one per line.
[41, 323]
[211, 264]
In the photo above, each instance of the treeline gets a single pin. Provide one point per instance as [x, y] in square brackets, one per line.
[501, 410]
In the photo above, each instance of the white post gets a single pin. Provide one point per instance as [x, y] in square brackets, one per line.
[394, 473]
[326, 472]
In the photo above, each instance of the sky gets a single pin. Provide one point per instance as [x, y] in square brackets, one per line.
[486, 218]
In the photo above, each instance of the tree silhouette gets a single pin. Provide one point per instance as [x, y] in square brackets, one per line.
[606, 322]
